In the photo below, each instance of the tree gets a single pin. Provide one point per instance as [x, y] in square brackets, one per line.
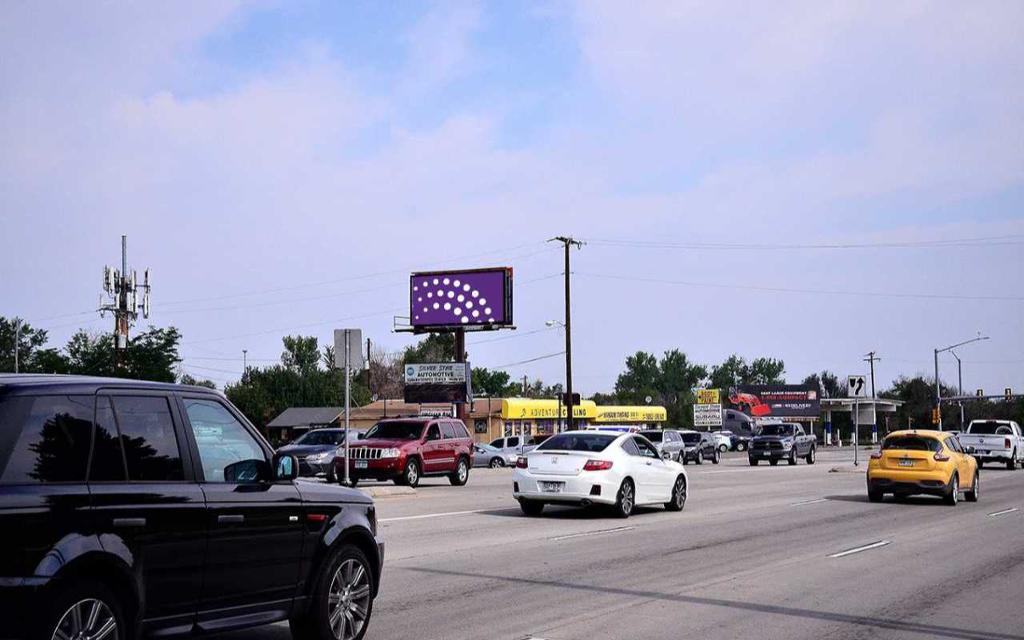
[668, 382]
[151, 355]
[32, 357]
[301, 353]
[436, 347]
[195, 382]
[918, 397]
[735, 372]
[827, 383]
[491, 383]
[385, 374]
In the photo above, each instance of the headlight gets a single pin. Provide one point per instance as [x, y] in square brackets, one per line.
[787, 445]
[389, 453]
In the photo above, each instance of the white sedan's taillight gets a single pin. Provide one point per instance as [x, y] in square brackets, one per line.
[597, 465]
[521, 462]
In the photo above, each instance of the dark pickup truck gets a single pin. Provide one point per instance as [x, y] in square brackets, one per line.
[782, 441]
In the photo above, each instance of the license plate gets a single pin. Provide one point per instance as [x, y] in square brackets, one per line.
[906, 463]
[551, 487]
[360, 464]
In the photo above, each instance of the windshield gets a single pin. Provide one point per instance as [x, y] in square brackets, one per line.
[912, 443]
[396, 430]
[322, 436]
[577, 442]
[691, 438]
[776, 430]
[991, 428]
[653, 436]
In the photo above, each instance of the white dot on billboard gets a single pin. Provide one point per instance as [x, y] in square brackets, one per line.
[415, 288]
[475, 292]
[447, 306]
[466, 287]
[456, 284]
[461, 297]
[440, 292]
[424, 309]
[465, 319]
[458, 311]
[483, 300]
[487, 311]
[419, 299]
[469, 304]
[476, 313]
[436, 306]
[490, 319]
[436, 281]
[446, 281]
[430, 294]
[451, 294]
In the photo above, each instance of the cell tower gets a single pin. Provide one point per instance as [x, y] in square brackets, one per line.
[123, 289]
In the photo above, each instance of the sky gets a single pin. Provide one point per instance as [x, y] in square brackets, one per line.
[807, 181]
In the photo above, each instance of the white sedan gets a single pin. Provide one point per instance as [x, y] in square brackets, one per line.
[598, 467]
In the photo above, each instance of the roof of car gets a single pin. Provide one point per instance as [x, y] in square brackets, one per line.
[924, 433]
[86, 384]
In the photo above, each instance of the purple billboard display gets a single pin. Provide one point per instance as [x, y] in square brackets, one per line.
[471, 298]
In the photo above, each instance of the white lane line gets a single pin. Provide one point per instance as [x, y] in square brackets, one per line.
[434, 515]
[1002, 513]
[867, 547]
[815, 501]
[592, 533]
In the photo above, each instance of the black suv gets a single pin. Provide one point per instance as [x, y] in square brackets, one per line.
[133, 509]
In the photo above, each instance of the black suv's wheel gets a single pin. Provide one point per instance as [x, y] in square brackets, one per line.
[496, 463]
[792, 456]
[461, 475]
[753, 461]
[411, 473]
[531, 507]
[626, 499]
[716, 457]
[700, 457]
[773, 461]
[82, 609]
[342, 599]
[974, 492]
[331, 477]
[678, 500]
[810, 456]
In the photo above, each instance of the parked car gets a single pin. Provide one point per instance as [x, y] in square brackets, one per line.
[994, 441]
[699, 446]
[513, 445]
[923, 462]
[589, 467]
[484, 455]
[407, 449]
[782, 441]
[666, 441]
[741, 426]
[723, 440]
[315, 451]
[118, 499]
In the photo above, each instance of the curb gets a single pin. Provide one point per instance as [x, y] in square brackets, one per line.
[385, 492]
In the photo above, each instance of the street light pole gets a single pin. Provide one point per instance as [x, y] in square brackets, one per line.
[938, 388]
[960, 386]
[568, 243]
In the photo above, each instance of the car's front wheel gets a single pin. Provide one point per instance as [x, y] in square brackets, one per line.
[700, 457]
[723, 448]
[974, 492]
[753, 461]
[773, 461]
[342, 600]
[953, 494]
[678, 500]
[496, 463]
[716, 457]
[742, 446]
[461, 475]
[411, 473]
[875, 496]
[82, 609]
[810, 456]
[792, 456]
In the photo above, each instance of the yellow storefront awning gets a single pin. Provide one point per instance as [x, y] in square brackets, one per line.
[529, 409]
[631, 414]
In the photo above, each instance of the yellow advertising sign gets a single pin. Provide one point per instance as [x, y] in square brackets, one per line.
[709, 396]
[527, 409]
[631, 414]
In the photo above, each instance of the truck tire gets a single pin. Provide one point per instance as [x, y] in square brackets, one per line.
[741, 446]
[752, 461]
[700, 457]
[875, 496]
[716, 457]
[792, 457]
[773, 461]
[1011, 464]
[810, 456]
[532, 508]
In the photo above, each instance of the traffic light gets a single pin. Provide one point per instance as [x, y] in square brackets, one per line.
[936, 416]
[1008, 394]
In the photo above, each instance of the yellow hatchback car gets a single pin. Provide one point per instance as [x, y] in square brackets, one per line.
[923, 462]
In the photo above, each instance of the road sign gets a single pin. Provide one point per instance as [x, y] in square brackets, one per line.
[936, 416]
[1008, 394]
[707, 415]
[355, 348]
[856, 387]
[980, 393]
[709, 396]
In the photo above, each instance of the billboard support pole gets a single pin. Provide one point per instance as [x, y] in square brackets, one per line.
[460, 356]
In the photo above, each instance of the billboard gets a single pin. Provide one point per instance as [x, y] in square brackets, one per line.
[437, 382]
[474, 298]
[776, 400]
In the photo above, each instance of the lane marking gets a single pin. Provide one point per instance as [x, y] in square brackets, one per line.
[433, 515]
[1002, 513]
[815, 501]
[867, 547]
[591, 533]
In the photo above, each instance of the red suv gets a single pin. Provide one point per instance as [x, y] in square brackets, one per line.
[407, 449]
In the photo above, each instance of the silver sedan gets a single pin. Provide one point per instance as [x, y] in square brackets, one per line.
[484, 455]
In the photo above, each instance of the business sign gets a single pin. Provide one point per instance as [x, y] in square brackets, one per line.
[709, 396]
[437, 382]
[436, 412]
[529, 409]
[632, 414]
[777, 400]
[707, 415]
[477, 298]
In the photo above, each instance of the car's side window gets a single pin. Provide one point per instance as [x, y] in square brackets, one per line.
[954, 444]
[512, 442]
[147, 438]
[46, 437]
[646, 450]
[433, 433]
[448, 431]
[629, 446]
[221, 439]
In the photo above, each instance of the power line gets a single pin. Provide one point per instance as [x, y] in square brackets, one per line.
[1006, 240]
[745, 287]
[538, 358]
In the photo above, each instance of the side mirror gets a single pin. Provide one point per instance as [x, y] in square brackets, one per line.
[969, 450]
[247, 471]
[360, 436]
[286, 467]
[665, 455]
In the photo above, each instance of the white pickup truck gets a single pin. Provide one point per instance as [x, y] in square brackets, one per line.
[994, 441]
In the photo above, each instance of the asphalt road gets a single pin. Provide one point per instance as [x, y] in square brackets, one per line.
[751, 556]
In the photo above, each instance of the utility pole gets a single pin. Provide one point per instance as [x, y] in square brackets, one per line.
[872, 358]
[524, 386]
[123, 290]
[245, 361]
[17, 341]
[567, 243]
[960, 386]
[938, 388]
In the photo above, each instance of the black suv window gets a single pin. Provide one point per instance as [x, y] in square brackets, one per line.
[45, 438]
[147, 438]
[220, 438]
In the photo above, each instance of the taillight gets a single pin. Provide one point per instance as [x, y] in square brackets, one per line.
[597, 465]
[876, 455]
[940, 457]
[1006, 443]
[521, 462]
